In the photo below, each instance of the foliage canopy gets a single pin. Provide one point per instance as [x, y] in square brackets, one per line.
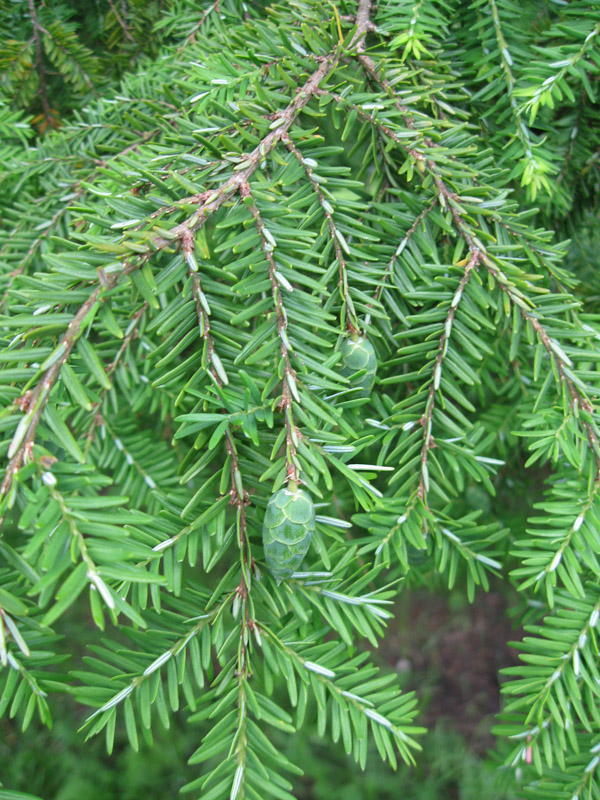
[300, 246]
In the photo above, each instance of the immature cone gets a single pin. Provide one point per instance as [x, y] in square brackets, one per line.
[287, 530]
[357, 354]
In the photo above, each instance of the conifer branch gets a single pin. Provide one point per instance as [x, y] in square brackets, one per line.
[57, 216]
[539, 252]
[506, 61]
[131, 333]
[121, 22]
[245, 169]
[563, 662]
[543, 92]
[472, 287]
[398, 252]
[427, 419]
[163, 658]
[578, 399]
[239, 496]
[363, 23]
[325, 677]
[39, 58]
[191, 37]
[213, 362]
[565, 672]
[92, 569]
[240, 740]
[552, 348]
[241, 499]
[289, 388]
[15, 663]
[352, 322]
[34, 404]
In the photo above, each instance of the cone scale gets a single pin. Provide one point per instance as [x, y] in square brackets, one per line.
[288, 527]
[359, 354]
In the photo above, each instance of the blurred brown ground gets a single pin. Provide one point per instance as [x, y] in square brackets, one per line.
[451, 657]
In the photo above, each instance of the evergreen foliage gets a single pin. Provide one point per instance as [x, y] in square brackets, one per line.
[58, 54]
[299, 249]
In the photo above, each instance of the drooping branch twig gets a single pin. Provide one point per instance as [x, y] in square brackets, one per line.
[390, 266]
[177, 647]
[546, 87]
[92, 570]
[39, 58]
[352, 322]
[95, 410]
[240, 498]
[39, 396]
[121, 22]
[289, 387]
[203, 17]
[506, 62]
[427, 418]
[363, 24]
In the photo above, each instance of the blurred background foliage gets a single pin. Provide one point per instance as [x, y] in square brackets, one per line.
[61, 767]
[57, 55]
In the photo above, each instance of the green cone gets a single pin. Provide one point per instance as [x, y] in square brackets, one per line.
[357, 354]
[287, 530]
